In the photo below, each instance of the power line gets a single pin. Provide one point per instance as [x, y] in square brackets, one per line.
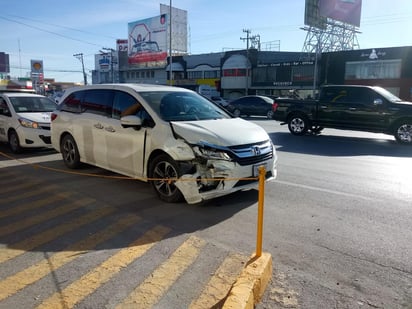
[63, 27]
[47, 31]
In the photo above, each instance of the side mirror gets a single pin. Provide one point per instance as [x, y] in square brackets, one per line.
[377, 102]
[131, 121]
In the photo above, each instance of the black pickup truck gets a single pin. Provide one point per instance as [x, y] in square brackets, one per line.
[361, 108]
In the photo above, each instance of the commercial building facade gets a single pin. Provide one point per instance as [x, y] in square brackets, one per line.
[236, 73]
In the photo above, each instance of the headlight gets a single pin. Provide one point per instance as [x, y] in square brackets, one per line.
[213, 154]
[28, 123]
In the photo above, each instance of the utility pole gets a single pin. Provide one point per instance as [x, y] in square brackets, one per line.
[255, 39]
[80, 57]
[170, 45]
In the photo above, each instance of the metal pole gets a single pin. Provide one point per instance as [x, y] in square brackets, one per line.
[170, 44]
[262, 174]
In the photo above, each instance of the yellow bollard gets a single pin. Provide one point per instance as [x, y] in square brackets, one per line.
[262, 174]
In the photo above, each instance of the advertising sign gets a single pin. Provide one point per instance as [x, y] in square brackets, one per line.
[121, 45]
[179, 28]
[4, 63]
[147, 42]
[347, 11]
[36, 70]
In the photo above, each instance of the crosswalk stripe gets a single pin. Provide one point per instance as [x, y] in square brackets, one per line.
[18, 281]
[220, 283]
[21, 186]
[28, 206]
[150, 291]
[87, 284]
[53, 233]
[35, 219]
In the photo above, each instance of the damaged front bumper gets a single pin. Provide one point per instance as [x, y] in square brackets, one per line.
[214, 178]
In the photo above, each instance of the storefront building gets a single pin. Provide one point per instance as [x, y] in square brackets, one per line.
[390, 68]
[236, 73]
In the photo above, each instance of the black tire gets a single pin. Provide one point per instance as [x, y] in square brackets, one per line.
[70, 152]
[162, 169]
[14, 142]
[403, 132]
[236, 112]
[298, 124]
[269, 114]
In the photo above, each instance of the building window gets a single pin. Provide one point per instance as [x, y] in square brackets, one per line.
[212, 74]
[260, 74]
[195, 75]
[234, 72]
[380, 69]
[302, 73]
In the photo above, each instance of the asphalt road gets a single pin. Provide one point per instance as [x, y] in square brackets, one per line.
[337, 223]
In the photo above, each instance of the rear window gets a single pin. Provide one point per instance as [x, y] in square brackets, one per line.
[72, 102]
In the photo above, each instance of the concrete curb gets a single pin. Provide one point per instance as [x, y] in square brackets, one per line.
[251, 283]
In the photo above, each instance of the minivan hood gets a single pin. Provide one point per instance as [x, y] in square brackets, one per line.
[37, 116]
[221, 132]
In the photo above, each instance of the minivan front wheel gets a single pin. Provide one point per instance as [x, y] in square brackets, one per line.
[163, 172]
[70, 153]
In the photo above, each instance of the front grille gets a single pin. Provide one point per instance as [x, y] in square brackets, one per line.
[252, 153]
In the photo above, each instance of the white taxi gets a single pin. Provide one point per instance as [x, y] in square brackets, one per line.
[25, 120]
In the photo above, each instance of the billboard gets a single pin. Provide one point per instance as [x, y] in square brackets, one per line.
[121, 44]
[347, 11]
[318, 11]
[147, 42]
[179, 28]
[4, 63]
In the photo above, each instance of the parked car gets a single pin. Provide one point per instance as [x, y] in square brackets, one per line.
[219, 100]
[25, 120]
[251, 105]
[185, 145]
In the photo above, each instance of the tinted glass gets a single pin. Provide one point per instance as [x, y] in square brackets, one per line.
[182, 106]
[98, 101]
[72, 102]
[121, 102]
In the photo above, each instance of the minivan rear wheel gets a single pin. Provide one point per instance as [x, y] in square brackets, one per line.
[70, 152]
[163, 173]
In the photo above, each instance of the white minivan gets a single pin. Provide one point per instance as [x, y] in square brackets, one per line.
[182, 143]
[25, 120]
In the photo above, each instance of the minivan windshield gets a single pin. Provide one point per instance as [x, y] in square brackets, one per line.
[32, 104]
[182, 106]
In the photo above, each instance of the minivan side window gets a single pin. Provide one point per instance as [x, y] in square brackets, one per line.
[121, 102]
[98, 101]
[72, 102]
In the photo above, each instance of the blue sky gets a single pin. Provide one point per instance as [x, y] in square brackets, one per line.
[53, 31]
